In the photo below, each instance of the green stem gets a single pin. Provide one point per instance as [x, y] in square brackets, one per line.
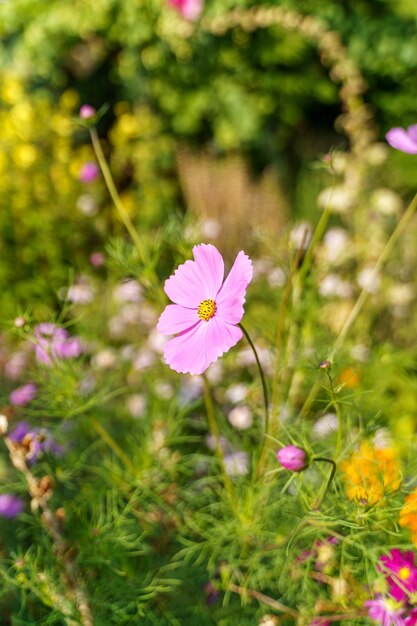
[214, 429]
[108, 178]
[338, 413]
[264, 446]
[108, 439]
[321, 497]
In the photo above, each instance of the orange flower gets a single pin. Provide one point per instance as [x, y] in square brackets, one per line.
[349, 378]
[408, 515]
[371, 473]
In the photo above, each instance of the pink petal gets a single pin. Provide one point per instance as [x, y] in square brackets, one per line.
[193, 351]
[399, 139]
[412, 132]
[231, 296]
[177, 319]
[210, 261]
[186, 285]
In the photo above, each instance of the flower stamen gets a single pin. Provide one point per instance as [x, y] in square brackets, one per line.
[206, 310]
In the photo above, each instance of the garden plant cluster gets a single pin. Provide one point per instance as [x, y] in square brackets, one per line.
[208, 362]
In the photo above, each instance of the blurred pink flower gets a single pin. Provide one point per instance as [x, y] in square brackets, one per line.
[97, 259]
[189, 9]
[206, 310]
[402, 139]
[400, 572]
[23, 395]
[385, 611]
[54, 343]
[87, 112]
[89, 172]
[292, 458]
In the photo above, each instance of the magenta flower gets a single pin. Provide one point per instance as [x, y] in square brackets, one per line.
[385, 611]
[189, 9]
[87, 112]
[54, 343]
[292, 458]
[206, 310]
[411, 619]
[400, 572]
[23, 395]
[403, 140]
[89, 172]
[10, 505]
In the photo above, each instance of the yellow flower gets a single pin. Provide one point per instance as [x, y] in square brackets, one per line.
[408, 515]
[370, 473]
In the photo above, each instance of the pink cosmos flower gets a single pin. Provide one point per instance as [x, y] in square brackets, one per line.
[23, 395]
[400, 572]
[403, 140]
[54, 343]
[206, 310]
[189, 9]
[385, 611]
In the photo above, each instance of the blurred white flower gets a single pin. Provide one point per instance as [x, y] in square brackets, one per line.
[382, 438]
[332, 285]
[191, 388]
[325, 425]
[136, 404]
[335, 242]
[376, 153]
[156, 341]
[87, 205]
[128, 291]
[4, 424]
[277, 277]
[386, 201]
[105, 359]
[240, 417]
[164, 390]
[15, 365]
[338, 199]
[236, 463]
[210, 229]
[401, 294]
[369, 280]
[212, 444]
[144, 358]
[236, 393]
[80, 293]
[215, 373]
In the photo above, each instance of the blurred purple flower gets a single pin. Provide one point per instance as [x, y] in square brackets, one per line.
[403, 140]
[54, 343]
[385, 611]
[23, 395]
[189, 9]
[37, 441]
[10, 505]
[89, 172]
[87, 111]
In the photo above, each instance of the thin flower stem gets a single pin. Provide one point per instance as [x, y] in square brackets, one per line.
[108, 439]
[321, 497]
[264, 446]
[338, 413]
[108, 178]
[399, 229]
[261, 597]
[214, 429]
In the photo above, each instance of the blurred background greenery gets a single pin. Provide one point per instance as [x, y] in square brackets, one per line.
[197, 119]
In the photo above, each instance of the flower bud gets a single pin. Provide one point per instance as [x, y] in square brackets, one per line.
[87, 112]
[292, 458]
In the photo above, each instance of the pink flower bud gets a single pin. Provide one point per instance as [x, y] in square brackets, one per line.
[87, 112]
[89, 172]
[292, 458]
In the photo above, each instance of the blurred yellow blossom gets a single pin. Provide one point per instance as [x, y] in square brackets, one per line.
[371, 473]
[408, 515]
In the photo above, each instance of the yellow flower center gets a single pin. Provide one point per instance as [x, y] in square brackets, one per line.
[404, 573]
[206, 310]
